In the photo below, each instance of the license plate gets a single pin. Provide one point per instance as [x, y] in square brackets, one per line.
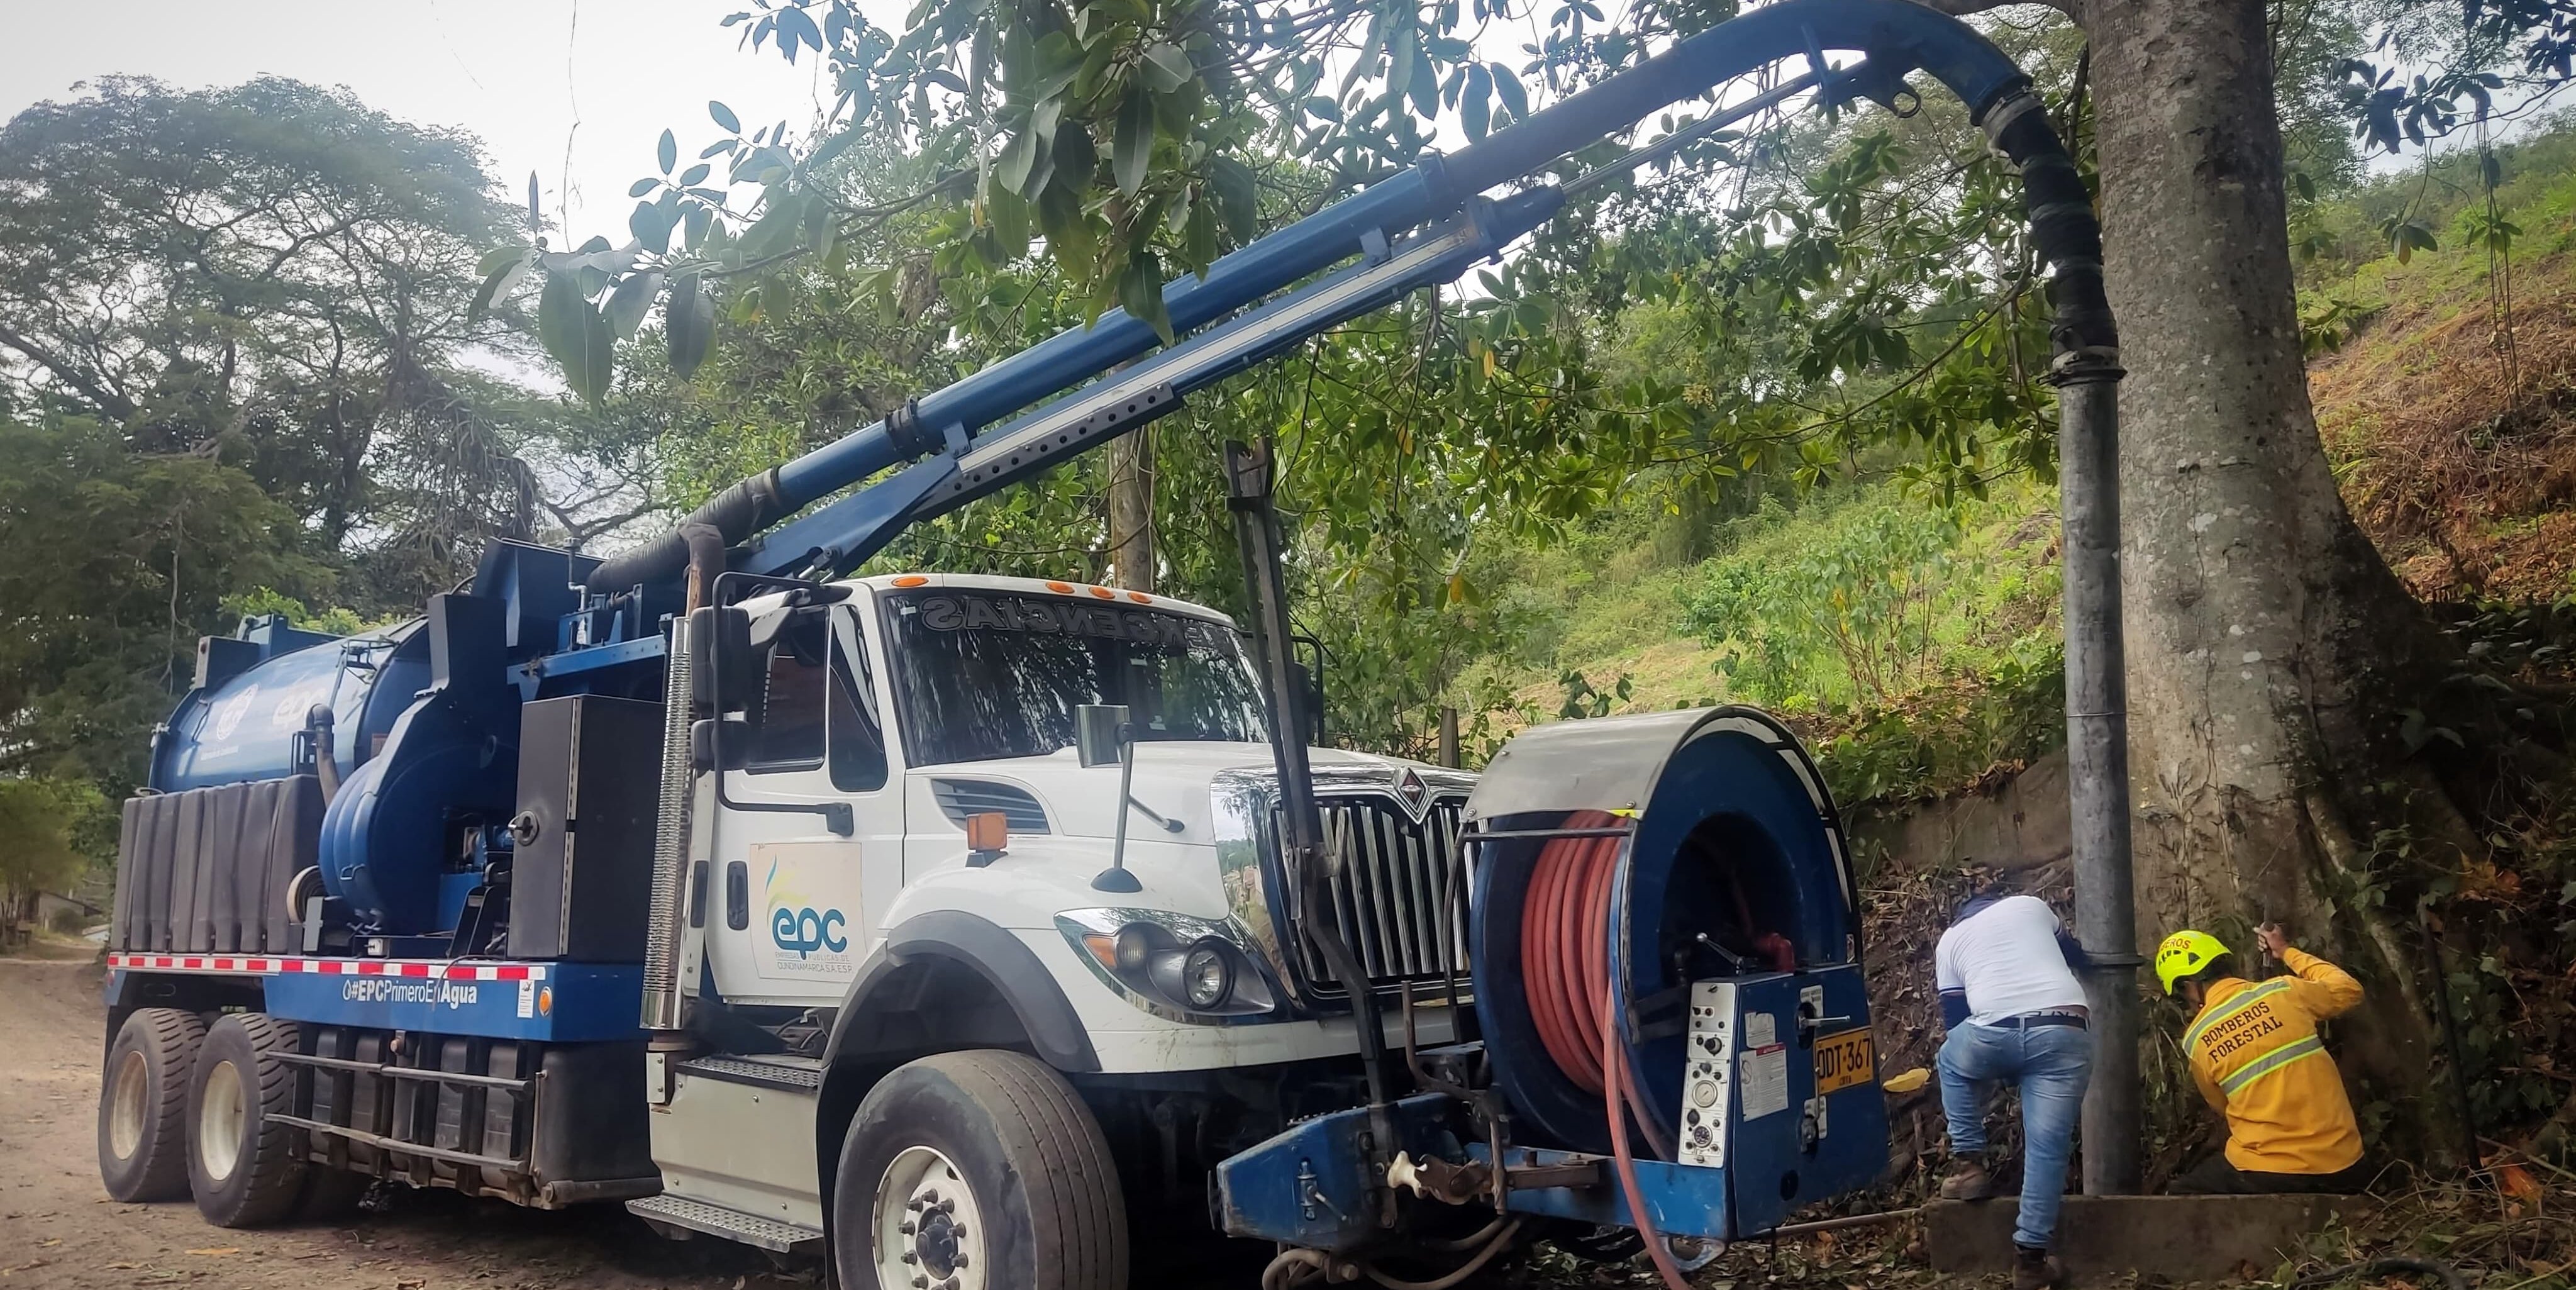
[1844, 1060]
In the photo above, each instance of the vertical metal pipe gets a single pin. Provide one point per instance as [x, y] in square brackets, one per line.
[664, 1008]
[1256, 526]
[2097, 757]
[670, 841]
[1449, 738]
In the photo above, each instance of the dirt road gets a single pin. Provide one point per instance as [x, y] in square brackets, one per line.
[59, 1231]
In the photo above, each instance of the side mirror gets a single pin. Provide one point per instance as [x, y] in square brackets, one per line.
[723, 663]
[1309, 678]
[1099, 733]
[1310, 684]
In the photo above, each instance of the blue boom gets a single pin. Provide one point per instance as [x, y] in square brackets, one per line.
[1894, 36]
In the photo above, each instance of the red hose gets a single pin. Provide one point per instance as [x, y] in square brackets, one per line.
[1565, 967]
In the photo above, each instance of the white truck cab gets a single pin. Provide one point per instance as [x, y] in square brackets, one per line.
[843, 923]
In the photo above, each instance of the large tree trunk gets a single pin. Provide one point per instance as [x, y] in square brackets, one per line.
[1130, 462]
[2270, 648]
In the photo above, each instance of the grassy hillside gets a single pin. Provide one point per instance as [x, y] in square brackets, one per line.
[2456, 436]
[1919, 646]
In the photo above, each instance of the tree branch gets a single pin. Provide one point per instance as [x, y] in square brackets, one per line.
[115, 405]
[1964, 8]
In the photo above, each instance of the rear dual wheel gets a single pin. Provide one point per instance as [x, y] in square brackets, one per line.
[246, 1166]
[143, 1105]
[977, 1171]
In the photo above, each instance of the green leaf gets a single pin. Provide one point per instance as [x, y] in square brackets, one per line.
[1507, 87]
[499, 258]
[1426, 95]
[640, 187]
[795, 25]
[778, 227]
[667, 152]
[536, 217]
[1199, 233]
[1401, 53]
[498, 278]
[1140, 292]
[1134, 149]
[1020, 167]
[1018, 157]
[1237, 199]
[651, 225]
[690, 318]
[1168, 67]
[696, 175]
[830, 148]
[820, 227]
[724, 116]
[633, 298]
[576, 336]
[1474, 101]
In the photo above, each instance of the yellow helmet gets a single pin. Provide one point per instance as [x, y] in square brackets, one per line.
[2184, 953]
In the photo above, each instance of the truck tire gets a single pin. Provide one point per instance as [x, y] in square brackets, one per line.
[246, 1168]
[143, 1105]
[977, 1171]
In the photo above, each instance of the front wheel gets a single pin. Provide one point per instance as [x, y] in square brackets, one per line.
[977, 1171]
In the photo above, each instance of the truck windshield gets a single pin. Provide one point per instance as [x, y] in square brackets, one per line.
[982, 675]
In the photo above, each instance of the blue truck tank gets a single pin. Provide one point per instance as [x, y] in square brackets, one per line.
[245, 718]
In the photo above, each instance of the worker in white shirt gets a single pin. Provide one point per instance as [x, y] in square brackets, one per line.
[2015, 1013]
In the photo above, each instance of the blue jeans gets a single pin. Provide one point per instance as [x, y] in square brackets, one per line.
[2051, 1064]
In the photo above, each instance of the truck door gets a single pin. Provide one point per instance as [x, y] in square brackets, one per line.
[792, 907]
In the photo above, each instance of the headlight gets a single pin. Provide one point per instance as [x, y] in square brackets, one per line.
[1207, 976]
[1170, 962]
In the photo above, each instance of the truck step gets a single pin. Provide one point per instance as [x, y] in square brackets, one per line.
[733, 1225]
[795, 1074]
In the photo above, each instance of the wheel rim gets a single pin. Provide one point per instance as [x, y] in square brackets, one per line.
[930, 1233]
[219, 1122]
[125, 1105]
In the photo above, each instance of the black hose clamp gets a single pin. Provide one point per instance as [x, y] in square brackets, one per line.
[903, 426]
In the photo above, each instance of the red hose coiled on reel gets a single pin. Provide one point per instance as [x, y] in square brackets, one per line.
[1565, 972]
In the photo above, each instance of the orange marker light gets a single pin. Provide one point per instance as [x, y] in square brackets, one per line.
[1061, 588]
[1104, 593]
[1103, 947]
[988, 831]
[1140, 597]
[912, 580]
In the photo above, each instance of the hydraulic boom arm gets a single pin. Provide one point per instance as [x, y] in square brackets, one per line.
[951, 433]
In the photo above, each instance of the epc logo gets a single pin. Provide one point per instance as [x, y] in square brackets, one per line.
[805, 931]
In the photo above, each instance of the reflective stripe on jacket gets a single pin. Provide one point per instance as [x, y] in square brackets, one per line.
[2256, 1056]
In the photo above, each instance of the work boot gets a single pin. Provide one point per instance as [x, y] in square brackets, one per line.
[1968, 1179]
[2036, 1269]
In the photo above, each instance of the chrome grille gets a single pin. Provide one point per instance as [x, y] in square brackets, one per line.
[1399, 890]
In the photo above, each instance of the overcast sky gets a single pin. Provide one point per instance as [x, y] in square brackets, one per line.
[518, 73]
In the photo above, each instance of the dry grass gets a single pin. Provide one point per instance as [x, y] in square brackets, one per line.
[2462, 477]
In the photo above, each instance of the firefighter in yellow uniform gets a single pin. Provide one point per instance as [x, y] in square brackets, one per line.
[2256, 1054]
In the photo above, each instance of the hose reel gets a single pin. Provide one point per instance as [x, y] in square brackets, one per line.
[1620, 860]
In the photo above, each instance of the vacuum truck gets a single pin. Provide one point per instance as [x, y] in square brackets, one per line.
[962, 930]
